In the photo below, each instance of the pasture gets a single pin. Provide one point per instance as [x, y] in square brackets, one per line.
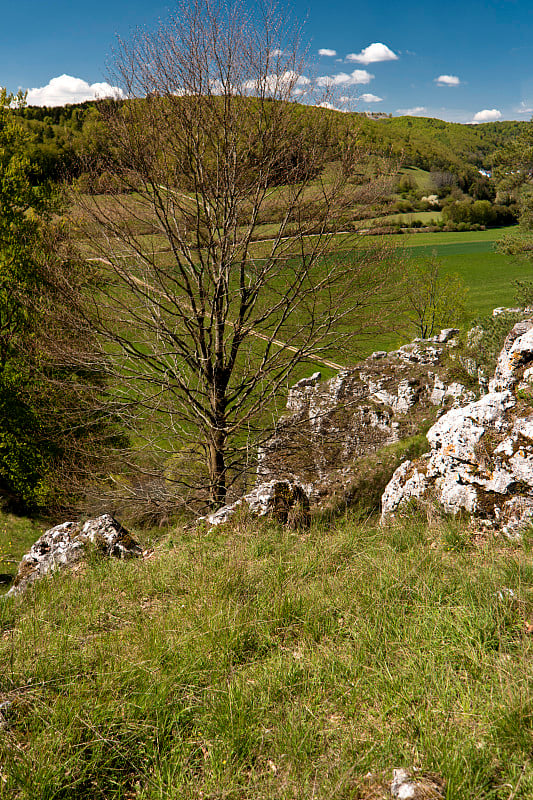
[488, 275]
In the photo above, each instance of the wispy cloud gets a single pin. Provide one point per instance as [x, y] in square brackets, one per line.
[412, 112]
[358, 76]
[524, 108]
[325, 51]
[66, 89]
[447, 80]
[377, 51]
[487, 115]
[370, 98]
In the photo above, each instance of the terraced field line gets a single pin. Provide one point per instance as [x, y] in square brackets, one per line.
[318, 359]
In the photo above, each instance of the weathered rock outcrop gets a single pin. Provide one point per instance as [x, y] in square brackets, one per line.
[281, 500]
[331, 425]
[64, 545]
[481, 457]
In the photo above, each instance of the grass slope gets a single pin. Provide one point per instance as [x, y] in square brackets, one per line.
[264, 663]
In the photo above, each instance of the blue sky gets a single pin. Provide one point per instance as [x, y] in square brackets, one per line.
[482, 51]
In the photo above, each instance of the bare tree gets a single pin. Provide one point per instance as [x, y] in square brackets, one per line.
[221, 265]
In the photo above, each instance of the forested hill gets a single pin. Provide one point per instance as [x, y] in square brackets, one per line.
[61, 137]
[433, 144]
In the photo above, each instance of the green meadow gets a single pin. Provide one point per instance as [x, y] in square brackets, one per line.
[260, 663]
[488, 275]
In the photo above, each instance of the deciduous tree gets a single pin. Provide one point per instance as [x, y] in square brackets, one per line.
[433, 299]
[221, 265]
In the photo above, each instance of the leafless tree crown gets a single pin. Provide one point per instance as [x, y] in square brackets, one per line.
[222, 268]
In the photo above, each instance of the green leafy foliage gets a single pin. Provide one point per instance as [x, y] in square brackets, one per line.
[481, 212]
[434, 299]
[24, 209]
[43, 412]
[482, 344]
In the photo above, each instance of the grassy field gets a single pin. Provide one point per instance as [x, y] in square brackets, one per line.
[260, 662]
[489, 275]
[426, 217]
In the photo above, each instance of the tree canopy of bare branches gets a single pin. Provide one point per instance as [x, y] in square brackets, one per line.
[221, 264]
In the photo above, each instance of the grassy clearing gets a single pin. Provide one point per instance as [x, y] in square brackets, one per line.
[453, 237]
[264, 663]
[427, 217]
[420, 176]
[487, 274]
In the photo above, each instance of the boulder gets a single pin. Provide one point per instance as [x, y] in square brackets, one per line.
[65, 544]
[282, 500]
[481, 456]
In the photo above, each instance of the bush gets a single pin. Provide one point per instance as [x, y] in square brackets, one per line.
[480, 212]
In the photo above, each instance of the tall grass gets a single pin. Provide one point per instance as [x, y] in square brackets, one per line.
[258, 662]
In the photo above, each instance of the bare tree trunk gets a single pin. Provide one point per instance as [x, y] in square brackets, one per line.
[217, 469]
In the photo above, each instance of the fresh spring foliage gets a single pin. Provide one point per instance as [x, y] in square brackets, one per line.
[44, 415]
[24, 209]
[434, 300]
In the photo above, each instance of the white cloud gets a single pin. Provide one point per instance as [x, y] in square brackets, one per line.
[487, 115]
[288, 80]
[370, 98]
[345, 79]
[447, 80]
[328, 105]
[276, 52]
[373, 53]
[524, 108]
[412, 112]
[325, 51]
[66, 89]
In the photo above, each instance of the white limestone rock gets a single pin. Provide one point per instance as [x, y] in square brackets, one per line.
[412, 785]
[331, 425]
[459, 394]
[64, 545]
[502, 310]
[300, 393]
[439, 391]
[283, 500]
[517, 351]
[406, 483]
[481, 457]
